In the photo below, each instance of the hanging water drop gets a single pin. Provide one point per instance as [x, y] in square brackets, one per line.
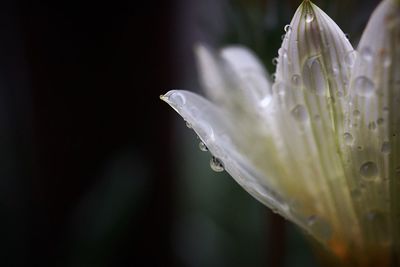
[309, 17]
[216, 165]
[364, 86]
[350, 58]
[296, 80]
[275, 61]
[348, 138]
[369, 170]
[188, 125]
[366, 53]
[203, 147]
[313, 76]
[287, 28]
[299, 113]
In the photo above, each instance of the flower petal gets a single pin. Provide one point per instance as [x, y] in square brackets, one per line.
[372, 120]
[216, 129]
[234, 78]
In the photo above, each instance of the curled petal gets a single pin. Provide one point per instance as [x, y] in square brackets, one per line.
[216, 129]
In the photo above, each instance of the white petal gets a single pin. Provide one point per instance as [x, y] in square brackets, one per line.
[372, 118]
[216, 129]
[234, 78]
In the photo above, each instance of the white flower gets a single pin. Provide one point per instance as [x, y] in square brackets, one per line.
[321, 144]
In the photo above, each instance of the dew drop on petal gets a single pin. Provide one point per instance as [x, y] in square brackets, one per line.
[188, 125]
[366, 53]
[369, 170]
[348, 138]
[296, 80]
[288, 28]
[313, 76]
[299, 113]
[385, 149]
[309, 17]
[203, 147]
[350, 58]
[275, 61]
[216, 165]
[364, 86]
[265, 101]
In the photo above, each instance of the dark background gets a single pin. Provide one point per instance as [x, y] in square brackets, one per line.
[95, 170]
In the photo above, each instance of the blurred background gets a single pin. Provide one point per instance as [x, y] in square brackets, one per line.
[95, 169]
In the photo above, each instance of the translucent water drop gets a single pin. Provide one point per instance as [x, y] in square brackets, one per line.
[279, 88]
[369, 170]
[216, 165]
[275, 61]
[347, 36]
[287, 28]
[273, 77]
[266, 101]
[296, 80]
[188, 125]
[350, 58]
[313, 76]
[366, 53]
[203, 147]
[348, 138]
[309, 17]
[364, 86]
[385, 149]
[299, 113]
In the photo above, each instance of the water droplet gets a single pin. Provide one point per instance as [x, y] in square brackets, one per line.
[188, 125]
[347, 36]
[350, 58]
[265, 101]
[288, 28]
[369, 170]
[299, 113]
[273, 77]
[216, 165]
[203, 147]
[348, 138]
[366, 53]
[313, 76]
[385, 149]
[364, 86]
[275, 61]
[309, 17]
[296, 80]
[279, 88]
[372, 125]
[356, 113]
